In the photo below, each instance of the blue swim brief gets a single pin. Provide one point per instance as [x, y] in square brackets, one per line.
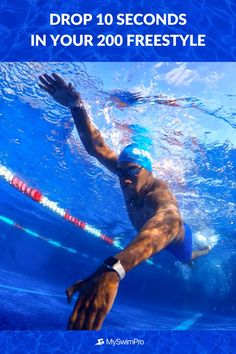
[183, 252]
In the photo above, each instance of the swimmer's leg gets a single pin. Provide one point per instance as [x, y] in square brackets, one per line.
[202, 252]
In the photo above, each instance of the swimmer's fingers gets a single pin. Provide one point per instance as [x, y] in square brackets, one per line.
[61, 83]
[45, 85]
[61, 92]
[71, 88]
[46, 88]
[87, 315]
[51, 81]
[72, 290]
[49, 84]
[44, 81]
[91, 319]
[77, 315]
[97, 295]
[48, 81]
[59, 80]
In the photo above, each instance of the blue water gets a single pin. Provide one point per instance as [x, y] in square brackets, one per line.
[193, 147]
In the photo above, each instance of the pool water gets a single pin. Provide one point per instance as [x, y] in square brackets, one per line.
[193, 148]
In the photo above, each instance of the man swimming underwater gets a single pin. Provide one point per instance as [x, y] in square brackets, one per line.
[151, 206]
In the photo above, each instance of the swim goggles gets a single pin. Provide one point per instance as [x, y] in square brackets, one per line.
[130, 172]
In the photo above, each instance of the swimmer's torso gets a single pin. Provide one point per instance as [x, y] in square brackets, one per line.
[144, 205]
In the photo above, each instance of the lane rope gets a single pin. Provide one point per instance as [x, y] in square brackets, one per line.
[35, 234]
[38, 197]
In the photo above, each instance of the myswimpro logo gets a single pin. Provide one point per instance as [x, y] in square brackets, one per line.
[118, 341]
[100, 341]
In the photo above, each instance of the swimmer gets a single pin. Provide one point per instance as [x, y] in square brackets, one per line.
[151, 206]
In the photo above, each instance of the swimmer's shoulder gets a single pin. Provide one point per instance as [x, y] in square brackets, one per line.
[160, 194]
[159, 184]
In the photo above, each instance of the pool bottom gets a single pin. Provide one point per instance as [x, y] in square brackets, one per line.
[27, 304]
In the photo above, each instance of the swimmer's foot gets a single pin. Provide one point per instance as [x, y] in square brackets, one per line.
[72, 289]
[202, 252]
[205, 250]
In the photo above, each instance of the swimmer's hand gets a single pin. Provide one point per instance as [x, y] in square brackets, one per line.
[96, 296]
[63, 93]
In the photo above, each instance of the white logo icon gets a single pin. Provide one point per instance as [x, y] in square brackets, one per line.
[100, 341]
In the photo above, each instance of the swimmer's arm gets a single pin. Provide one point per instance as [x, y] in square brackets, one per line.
[66, 95]
[156, 234]
[98, 292]
[92, 139]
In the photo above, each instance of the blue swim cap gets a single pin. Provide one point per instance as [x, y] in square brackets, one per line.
[137, 154]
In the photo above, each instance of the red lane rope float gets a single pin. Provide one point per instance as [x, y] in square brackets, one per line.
[37, 196]
[22, 187]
